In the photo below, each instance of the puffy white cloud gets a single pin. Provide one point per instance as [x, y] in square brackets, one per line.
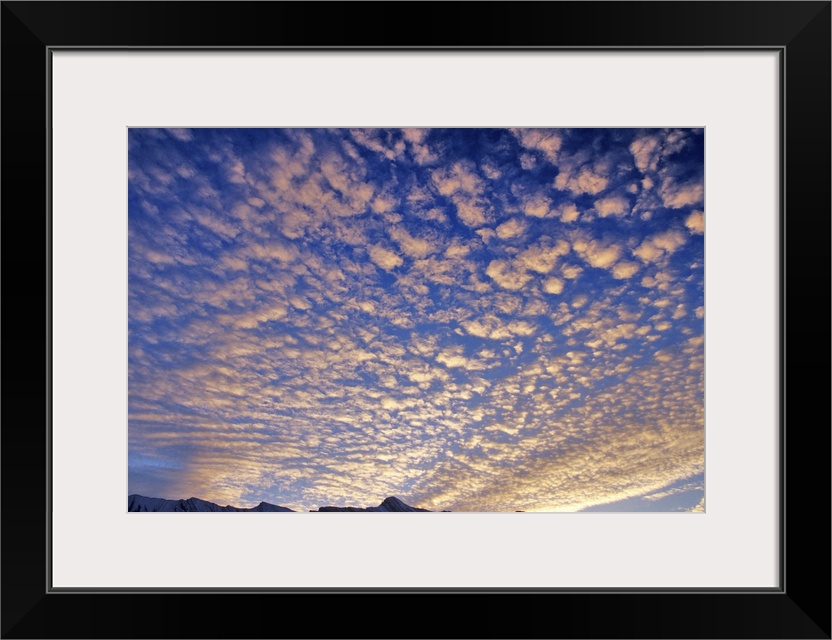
[465, 188]
[456, 250]
[648, 252]
[387, 260]
[597, 254]
[452, 358]
[553, 285]
[489, 326]
[460, 177]
[511, 229]
[487, 234]
[422, 153]
[537, 207]
[612, 206]
[383, 204]
[581, 180]
[506, 275]
[646, 153]
[624, 270]
[380, 141]
[695, 222]
[680, 312]
[660, 244]
[568, 212]
[542, 257]
[546, 141]
[676, 196]
[470, 212]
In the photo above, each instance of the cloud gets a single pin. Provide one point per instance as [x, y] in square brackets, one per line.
[597, 254]
[695, 222]
[457, 251]
[378, 140]
[183, 135]
[659, 495]
[506, 275]
[453, 358]
[547, 141]
[646, 153]
[624, 270]
[490, 326]
[251, 319]
[470, 213]
[157, 257]
[215, 224]
[568, 212]
[511, 229]
[659, 245]
[459, 178]
[383, 204]
[422, 153]
[542, 258]
[440, 271]
[612, 206]
[486, 234]
[553, 285]
[275, 250]
[537, 207]
[676, 196]
[581, 180]
[464, 187]
[411, 246]
[528, 161]
[387, 260]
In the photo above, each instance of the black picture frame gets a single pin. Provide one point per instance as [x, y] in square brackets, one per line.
[799, 608]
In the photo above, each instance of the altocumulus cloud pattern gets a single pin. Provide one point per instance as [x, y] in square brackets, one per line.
[469, 319]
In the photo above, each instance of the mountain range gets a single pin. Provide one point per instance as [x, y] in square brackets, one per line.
[138, 503]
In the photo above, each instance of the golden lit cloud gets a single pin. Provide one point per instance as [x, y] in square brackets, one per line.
[612, 206]
[696, 222]
[384, 258]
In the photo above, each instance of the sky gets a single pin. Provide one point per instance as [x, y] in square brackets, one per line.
[468, 319]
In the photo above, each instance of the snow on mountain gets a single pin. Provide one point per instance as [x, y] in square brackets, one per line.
[136, 502]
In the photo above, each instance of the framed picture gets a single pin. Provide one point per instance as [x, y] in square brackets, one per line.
[99, 95]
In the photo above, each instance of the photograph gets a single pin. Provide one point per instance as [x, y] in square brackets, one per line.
[416, 319]
[266, 258]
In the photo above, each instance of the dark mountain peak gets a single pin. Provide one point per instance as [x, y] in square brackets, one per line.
[135, 502]
[394, 504]
[391, 504]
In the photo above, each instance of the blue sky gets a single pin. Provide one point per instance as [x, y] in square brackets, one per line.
[468, 319]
